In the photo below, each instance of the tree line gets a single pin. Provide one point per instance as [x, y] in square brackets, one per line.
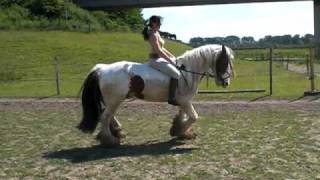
[249, 41]
[63, 14]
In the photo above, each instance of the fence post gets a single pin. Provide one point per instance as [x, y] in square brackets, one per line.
[207, 77]
[311, 75]
[270, 71]
[57, 74]
[313, 91]
[308, 64]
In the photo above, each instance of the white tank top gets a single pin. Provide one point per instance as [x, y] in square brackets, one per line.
[161, 41]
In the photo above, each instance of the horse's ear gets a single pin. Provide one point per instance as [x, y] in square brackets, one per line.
[224, 51]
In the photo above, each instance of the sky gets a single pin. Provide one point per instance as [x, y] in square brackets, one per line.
[250, 19]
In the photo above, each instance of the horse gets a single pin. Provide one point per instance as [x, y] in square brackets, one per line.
[172, 36]
[108, 85]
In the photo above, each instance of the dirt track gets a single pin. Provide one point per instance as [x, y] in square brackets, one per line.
[136, 106]
[236, 140]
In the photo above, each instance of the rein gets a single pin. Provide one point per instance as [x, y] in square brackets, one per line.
[183, 68]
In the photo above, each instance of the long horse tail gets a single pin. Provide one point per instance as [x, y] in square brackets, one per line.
[91, 100]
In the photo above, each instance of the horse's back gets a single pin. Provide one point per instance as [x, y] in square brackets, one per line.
[119, 76]
[146, 72]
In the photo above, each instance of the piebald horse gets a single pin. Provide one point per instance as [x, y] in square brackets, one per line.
[108, 85]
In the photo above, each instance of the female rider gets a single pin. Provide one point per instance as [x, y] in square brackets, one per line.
[160, 58]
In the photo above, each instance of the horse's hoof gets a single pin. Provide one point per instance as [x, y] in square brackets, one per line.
[188, 134]
[108, 141]
[120, 135]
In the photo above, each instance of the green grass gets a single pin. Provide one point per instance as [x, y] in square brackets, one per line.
[27, 64]
[248, 142]
[258, 53]
[255, 75]
[29, 55]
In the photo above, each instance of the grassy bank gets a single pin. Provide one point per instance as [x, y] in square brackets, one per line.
[27, 64]
[27, 58]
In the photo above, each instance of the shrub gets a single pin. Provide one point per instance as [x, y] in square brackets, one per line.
[55, 14]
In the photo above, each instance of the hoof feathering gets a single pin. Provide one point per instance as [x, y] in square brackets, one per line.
[108, 141]
[188, 134]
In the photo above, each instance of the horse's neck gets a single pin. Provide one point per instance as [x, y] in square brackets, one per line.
[197, 64]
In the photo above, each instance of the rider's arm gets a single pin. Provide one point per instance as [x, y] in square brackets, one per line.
[154, 41]
[168, 53]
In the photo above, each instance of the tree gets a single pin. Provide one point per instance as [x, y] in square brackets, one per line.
[232, 40]
[307, 39]
[50, 9]
[247, 40]
[197, 41]
[296, 40]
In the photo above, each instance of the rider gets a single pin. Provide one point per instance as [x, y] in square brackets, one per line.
[160, 58]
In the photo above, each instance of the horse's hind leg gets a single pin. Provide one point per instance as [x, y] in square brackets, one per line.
[105, 136]
[116, 128]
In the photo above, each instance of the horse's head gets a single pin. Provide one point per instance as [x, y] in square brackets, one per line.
[223, 67]
[213, 60]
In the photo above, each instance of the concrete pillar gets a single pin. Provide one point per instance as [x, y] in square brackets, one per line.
[316, 8]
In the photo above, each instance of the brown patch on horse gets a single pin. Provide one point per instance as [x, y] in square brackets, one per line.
[136, 86]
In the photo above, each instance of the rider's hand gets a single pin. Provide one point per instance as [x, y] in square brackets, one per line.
[173, 60]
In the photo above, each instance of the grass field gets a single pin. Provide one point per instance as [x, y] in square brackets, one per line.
[27, 58]
[235, 141]
[27, 64]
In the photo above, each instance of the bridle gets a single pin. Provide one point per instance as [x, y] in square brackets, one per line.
[183, 68]
[221, 76]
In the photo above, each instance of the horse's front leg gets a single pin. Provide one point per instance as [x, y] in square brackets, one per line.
[175, 129]
[185, 127]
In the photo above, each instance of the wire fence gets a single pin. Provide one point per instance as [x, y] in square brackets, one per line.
[300, 60]
[56, 74]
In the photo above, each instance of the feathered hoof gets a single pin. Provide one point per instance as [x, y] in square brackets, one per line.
[108, 141]
[187, 135]
[117, 132]
[120, 135]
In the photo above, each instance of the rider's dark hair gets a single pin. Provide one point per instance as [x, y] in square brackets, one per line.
[147, 26]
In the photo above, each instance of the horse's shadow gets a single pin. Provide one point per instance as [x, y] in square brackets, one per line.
[85, 154]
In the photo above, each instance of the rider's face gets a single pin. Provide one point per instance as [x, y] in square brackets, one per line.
[156, 25]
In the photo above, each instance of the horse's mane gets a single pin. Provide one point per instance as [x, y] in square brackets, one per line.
[204, 53]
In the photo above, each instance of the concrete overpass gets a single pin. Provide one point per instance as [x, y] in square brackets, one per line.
[108, 4]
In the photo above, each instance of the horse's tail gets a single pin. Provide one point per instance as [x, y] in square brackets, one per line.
[91, 102]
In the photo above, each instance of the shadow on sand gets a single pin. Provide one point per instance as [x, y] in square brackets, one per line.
[85, 154]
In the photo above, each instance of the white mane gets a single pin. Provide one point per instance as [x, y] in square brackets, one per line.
[203, 56]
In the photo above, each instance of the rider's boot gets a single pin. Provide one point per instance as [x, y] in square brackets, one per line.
[172, 92]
